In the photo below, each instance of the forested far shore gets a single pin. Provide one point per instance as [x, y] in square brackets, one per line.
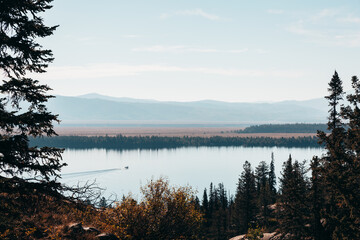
[156, 142]
[285, 128]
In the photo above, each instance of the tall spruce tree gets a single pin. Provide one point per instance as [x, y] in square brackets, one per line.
[343, 172]
[23, 113]
[216, 224]
[245, 199]
[317, 200]
[339, 165]
[272, 179]
[352, 115]
[205, 204]
[294, 208]
[336, 95]
[263, 190]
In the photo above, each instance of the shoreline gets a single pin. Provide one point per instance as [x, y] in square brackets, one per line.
[169, 132]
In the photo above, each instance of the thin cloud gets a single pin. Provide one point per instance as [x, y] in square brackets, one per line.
[275, 11]
[185, 49]
[200, 13]
[261, 51]
[131, 36]
[238, 51]
[326, 28]
[348, 40]
[299, 29]
[88, 40]
[159, 48]
[327, 37]
[99, 71]
[350, 20]
[165, 15]
[325, 13]
[193, 12]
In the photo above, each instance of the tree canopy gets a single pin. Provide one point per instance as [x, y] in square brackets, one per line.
[22, 99]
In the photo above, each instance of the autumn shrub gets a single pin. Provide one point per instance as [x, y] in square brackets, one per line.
[164, 212]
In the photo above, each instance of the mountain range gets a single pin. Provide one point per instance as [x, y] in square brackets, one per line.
[99, 109]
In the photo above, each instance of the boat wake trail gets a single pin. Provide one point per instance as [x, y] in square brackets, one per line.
[85, 173]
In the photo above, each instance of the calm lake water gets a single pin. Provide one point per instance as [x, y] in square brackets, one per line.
[122, 172]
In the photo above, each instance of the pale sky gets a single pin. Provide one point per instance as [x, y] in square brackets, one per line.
[233, 50]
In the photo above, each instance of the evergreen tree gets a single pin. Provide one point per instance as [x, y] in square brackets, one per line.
[216, 225]
[352, 115]
[24, 168]
[262, 175]
[294, 207]
[222, 196]
[211, 199]
[340, 165]
[342, 171]
[317, 200]
[272, 179]
[263, 190]
[352, 172]
[245, 199]
[336, 94]
[223, 211]
[205, 204]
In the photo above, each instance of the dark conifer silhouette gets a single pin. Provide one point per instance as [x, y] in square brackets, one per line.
[336, 94]
[22, 104]
[263, 191]
[245, 200]
[316, 198]
[205, 204]
[339, 166]
[294, 206]
[217, 217]
[272, 179]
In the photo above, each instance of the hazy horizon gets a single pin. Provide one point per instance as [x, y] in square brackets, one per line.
[184, 101]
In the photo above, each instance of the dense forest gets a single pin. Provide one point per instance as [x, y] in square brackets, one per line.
[252, 206]
[259, 206]
[285, 128]
[155, 142]
[323, 205]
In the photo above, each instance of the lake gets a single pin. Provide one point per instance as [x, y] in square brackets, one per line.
[122, 172]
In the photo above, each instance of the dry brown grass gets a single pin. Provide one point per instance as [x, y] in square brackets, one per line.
[169, 132]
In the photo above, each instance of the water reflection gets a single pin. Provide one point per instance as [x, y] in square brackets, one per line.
[194, 166]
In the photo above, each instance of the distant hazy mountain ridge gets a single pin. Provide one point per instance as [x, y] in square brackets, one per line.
[92, 108]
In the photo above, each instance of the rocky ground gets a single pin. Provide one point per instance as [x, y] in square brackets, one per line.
[267, 236]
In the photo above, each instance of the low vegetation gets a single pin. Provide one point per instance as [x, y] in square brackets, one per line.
[164, 212]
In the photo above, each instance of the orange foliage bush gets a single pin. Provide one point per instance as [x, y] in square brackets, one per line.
[164, 213]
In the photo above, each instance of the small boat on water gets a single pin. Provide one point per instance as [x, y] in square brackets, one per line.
[127, 167]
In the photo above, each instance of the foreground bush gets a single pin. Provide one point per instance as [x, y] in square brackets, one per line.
[164, 213]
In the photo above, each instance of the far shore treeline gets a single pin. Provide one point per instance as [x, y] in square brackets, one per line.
[157, 142]
[286, 128]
